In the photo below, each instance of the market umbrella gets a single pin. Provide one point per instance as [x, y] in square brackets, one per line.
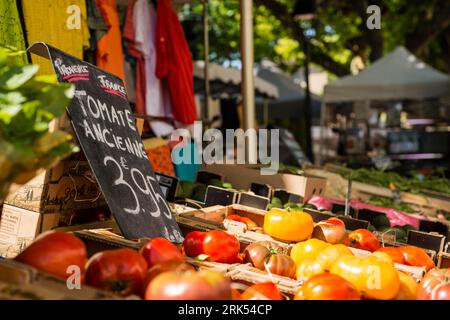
[290, 103]
[226, 82]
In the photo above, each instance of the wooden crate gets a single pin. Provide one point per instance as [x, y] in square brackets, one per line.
[22, 282]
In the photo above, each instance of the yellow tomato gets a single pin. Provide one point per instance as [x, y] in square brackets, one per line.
[374, 278]
[308, 268]
[383, 256]
[288, 225]
[329, 255]
[309, 249]
[408, 287]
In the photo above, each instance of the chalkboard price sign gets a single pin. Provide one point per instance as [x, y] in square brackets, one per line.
[105, 127]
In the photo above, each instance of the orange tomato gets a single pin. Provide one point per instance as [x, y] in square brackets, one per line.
[235, 294]
[374, 278]
[309, 249]
[288, 225]
[395, 254]
[408, 287]
[262, 291]
[416, 257]
[327, 286]
[363, 239]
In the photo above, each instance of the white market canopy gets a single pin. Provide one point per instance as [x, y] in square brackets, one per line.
[398, 75]
[227, 81]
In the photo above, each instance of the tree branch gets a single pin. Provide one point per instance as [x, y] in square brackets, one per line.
[427, 29]
[318, 56]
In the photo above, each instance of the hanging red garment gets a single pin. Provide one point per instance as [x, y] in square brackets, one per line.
[109, 47]
[129, 35]
[174, 62]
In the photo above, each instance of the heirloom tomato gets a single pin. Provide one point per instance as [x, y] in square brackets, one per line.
[281, 264]
[170, 265]
[122, 271]
[408, 287]
[395, 254]
[288, 225]
[159, 250]
[416, 257]
[262, 291]
[54, 252]
[221, 246]
[269, 256]
[374, 278]
[328, 256]
[189, 285]
[308, 268]
[363, 239]
[327, 286]
[435, 285]
[193, 243]
[308, 249]
[331, 230]
[218, 245]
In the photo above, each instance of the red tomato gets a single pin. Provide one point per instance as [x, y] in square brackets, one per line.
[170, 265]
[159, 250]
[327, 286]
[395, 254]
[193, 243]
[221, 246]
[53, 252]
[201, 285]
[363, 239]
[121, 271]
[262, 291]
[416, 257]
[435, 285]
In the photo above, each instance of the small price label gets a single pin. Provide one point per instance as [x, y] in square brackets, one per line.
[234, 226]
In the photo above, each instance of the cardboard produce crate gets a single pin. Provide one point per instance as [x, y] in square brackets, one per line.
[70, 185]
[242, 176]
[18, 228]
[46, 200]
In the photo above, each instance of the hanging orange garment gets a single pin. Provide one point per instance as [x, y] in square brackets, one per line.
[109, 47]
[62, 24]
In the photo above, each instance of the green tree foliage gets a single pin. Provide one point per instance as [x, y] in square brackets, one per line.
[337, 36]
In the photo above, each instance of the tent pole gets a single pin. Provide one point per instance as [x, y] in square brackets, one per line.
[322, 129]
[205, 107]
[248, 89]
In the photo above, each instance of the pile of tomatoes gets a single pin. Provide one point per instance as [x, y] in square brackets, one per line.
[320, 258]
[159, 271]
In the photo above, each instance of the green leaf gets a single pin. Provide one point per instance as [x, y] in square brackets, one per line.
[17, 76]
[55, 99]
[11, 98]
[7, 113]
